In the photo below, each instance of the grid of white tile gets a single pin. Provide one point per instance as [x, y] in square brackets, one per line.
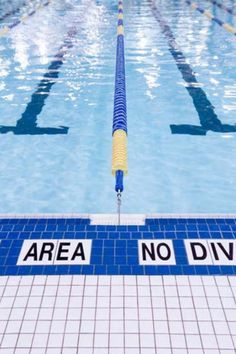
[118, 314]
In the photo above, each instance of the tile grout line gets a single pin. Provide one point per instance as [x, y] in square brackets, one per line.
[26, 307]
[41, 302]
[95, 315]
[167, 316]
[181, 314]
[67, 312]
[152, 310]
[81, 314]
[212, 322]
[195, 312]
[4, 333]
[53, 311]
[109, 313]
[223, 309]
[138, 320]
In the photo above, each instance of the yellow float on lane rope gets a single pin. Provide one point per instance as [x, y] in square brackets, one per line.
[120, 30]
[119, 152]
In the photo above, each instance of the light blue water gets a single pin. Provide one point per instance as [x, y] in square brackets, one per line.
[168, 173]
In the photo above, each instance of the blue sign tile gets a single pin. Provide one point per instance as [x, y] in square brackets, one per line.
[114, 248]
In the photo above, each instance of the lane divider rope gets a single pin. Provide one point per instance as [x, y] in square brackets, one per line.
[207, 13]
[119, 140]
[7, 28]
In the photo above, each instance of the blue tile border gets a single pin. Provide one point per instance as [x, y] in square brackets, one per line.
[114, 248]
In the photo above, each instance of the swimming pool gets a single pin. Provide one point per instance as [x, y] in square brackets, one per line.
[63, 165]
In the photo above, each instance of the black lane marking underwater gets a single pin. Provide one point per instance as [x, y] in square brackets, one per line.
[27, 124]
[223, 7]
[207, 116]
[13, 11]
[19, 21]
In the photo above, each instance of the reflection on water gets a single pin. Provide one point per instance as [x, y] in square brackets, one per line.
[178, 74]
[207, 116]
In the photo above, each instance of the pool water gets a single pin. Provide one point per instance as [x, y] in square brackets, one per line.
[55, 134]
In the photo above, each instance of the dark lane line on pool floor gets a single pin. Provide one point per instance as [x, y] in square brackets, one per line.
[13, 11]
[207, 116]
[223, 7]
[27, 124]
[7, 28]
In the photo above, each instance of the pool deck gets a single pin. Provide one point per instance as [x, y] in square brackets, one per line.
[81, 284]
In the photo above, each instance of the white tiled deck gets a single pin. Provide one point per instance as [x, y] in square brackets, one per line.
[118, 314]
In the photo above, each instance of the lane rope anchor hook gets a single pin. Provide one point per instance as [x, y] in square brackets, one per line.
[118, 205]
